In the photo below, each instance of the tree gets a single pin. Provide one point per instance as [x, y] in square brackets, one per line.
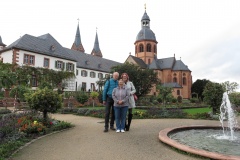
[235, 98]
[213, 93]
[19, 92]
[164, 93]
[230, 87]
[44, 100]
[143, 79]
[198, 87]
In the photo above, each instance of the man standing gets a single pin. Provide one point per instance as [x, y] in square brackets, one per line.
[108, 101]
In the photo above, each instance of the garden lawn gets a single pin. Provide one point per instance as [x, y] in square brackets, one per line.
[194, 111]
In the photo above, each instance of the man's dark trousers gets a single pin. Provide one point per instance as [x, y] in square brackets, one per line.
[109, 109]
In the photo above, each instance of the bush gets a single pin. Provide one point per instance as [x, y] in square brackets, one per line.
[5, 111]
[193, 100]
[82, 97]
[174, 100]
[179, 99]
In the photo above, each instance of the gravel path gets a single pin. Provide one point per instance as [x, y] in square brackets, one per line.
[87, 141]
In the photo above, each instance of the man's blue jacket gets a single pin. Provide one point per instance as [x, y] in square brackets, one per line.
[108, 88]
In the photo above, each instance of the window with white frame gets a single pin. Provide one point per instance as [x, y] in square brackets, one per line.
[70, 67]
[46, 62]
[59, 64]
[92, 74]
[84, 73]
[100, 75]
[77, 72]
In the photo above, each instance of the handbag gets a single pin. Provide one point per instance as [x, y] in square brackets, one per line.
[135, 97]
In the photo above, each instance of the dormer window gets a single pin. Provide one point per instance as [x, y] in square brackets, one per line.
[99, 65]
[87, 62]
[52, 48]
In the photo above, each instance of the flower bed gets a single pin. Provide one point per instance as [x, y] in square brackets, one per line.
[18, 128]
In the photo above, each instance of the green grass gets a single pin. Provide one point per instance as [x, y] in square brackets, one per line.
[197, 110]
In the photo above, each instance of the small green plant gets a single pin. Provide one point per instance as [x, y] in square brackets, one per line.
[94, 95]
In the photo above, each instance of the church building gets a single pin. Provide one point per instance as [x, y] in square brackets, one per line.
[171, 72]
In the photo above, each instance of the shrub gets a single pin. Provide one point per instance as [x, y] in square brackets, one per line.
[159, 99]
[82, 97]
[193, 100]
[179, 99]
[174, 100]
[44, 100]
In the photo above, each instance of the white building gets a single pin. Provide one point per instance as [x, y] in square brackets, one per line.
[45, 51]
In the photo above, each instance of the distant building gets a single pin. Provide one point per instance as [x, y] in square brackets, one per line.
[172, 73]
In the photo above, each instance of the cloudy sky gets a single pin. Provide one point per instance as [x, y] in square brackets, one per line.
[204, 33]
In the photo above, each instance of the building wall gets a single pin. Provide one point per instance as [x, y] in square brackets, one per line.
[7, 56]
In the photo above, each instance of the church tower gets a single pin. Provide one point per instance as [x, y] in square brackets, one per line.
[96, 49]
[146, 43]
[77, 45]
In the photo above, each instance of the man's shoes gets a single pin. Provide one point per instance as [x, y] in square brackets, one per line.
[122, 130]
[105, 130]
[112, 128]
[118, 131]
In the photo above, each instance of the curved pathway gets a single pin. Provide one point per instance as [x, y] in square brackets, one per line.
[87, 141]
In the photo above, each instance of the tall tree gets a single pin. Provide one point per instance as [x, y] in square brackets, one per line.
[198, 87]
[143, 79]
[213, 93]
[230, 87]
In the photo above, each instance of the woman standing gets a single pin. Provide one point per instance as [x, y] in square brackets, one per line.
[120, 96]
[132, 105]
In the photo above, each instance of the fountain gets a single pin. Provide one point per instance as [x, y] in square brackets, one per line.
[217, 142]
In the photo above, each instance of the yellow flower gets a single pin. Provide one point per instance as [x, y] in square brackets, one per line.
[35, 122]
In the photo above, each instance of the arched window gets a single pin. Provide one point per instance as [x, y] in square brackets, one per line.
[92, 74]
[149, 61]
[148, 47]
[84, 73]
[178, 92]
[184, 81]
[140, 48]
[174, 74]
[174, 79]
[155, 49]
[100, 75]
[184, 74]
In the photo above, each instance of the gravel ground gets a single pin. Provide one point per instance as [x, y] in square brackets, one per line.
[87, 141]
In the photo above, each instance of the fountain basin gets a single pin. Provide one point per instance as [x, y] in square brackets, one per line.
[164, 136]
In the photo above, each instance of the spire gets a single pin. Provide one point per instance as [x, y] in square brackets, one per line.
[2, 45]
[96, 49]
[77, 45]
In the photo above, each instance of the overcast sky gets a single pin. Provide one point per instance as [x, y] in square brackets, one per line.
[204, 33]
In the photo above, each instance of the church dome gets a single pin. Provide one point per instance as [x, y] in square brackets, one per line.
[145, 34]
